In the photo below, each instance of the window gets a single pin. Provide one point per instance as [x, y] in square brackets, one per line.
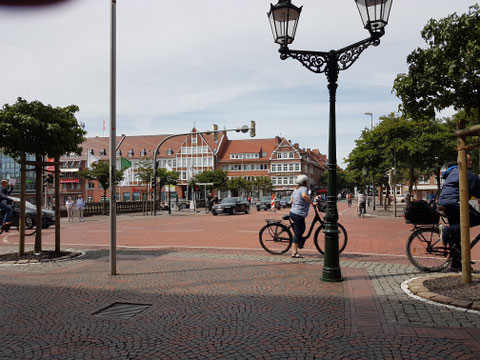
[91, 186]
[119, 153]
[89, 199]
[297, 167]
[103, 152]
[274, 181]
[130, 153]
[126, 196]
[290, 167]
[194, 141]
[274, 167]
[285, 167]
[136, 196]
[143, 152]
[91, 152]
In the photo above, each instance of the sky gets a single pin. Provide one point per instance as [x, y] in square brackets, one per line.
[186, 63]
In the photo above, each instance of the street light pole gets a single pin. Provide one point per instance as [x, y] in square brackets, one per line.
[283, 21]
[113, 153]
[373, 181]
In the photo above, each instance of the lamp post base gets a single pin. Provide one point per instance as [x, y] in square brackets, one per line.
[331, 274]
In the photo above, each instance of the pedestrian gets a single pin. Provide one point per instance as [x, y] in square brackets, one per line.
[449, 199]
[300, 204]
[69, 204]
[6, 203]
[80, 205]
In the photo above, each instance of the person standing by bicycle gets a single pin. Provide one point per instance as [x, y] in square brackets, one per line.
[300, 205]
[361, 203]
[6, 202]
[449, 199]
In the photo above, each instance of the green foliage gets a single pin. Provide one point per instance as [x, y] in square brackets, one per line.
[419, 145]
[445, 73]
[145, 171]
[218, 177]
[35, 128]
[263, 183]
[236, 184]
[101, 172]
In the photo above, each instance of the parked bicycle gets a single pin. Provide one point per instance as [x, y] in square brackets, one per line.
[425, 248]
[276, 237]
[15, 224]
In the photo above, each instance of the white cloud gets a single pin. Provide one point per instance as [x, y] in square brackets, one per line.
[182, 62]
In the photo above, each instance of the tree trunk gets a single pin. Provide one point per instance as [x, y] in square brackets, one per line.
[57, 205]
[411, 180]
[104, 200]
[21, 218]
[38, 200]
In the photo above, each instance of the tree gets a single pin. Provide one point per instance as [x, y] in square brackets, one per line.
[100, 172]
[446, 73]
[263, 183]
[41, 130]
[237, 184]
[417, 145]
[218, 177]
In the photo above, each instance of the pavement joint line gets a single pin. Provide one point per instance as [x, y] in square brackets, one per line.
[406, 290]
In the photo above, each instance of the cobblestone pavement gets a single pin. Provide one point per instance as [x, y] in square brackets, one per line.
[212, 304]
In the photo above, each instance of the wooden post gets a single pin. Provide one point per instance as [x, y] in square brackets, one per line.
[21, 219]
[57, 205]
[38, 185]
[464, 206]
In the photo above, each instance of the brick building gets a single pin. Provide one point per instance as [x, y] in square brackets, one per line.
[189, 155]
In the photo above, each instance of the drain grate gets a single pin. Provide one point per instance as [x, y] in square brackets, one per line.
[120, 310]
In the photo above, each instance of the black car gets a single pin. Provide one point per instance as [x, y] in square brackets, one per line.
[232, 206]
[285, 202]
[265, 203]
[48, 216]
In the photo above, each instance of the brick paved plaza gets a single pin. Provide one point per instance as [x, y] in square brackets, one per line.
[223, 298]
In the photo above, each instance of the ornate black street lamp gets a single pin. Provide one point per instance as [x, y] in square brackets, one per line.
[284, 20]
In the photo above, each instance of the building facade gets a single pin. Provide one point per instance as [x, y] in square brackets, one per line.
[276, 158]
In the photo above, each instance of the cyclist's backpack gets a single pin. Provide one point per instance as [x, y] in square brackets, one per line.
[420, 213]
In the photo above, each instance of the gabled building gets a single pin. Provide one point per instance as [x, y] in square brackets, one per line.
[189, 155]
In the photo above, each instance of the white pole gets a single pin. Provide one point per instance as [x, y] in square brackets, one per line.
[113, 154]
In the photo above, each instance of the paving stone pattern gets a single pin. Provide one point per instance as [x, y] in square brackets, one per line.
[219, 304]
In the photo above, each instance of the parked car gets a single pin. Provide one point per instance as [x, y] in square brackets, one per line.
[48, 216]
[265, 203]
[285, 202]
[231, 206]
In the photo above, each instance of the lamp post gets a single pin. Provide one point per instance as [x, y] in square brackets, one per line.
[283, 21]
[373, 181]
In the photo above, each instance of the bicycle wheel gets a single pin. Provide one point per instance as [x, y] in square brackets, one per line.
[426, 251]
[275, 238]
[319, 239]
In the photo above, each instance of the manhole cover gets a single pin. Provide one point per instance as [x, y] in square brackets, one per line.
[121, 310]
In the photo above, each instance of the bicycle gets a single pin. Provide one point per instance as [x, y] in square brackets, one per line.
[276, 237]
[426, 250]
[7, 227]
[361, 209]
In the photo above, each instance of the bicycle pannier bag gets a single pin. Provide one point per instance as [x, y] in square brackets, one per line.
[419, 212]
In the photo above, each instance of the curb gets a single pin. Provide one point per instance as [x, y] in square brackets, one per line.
[415, 288]
[71, 255]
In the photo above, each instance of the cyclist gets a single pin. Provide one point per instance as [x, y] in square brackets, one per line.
[361, 203]
[449, 199]
[6, 202]
[349, 199]
[300, 204]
